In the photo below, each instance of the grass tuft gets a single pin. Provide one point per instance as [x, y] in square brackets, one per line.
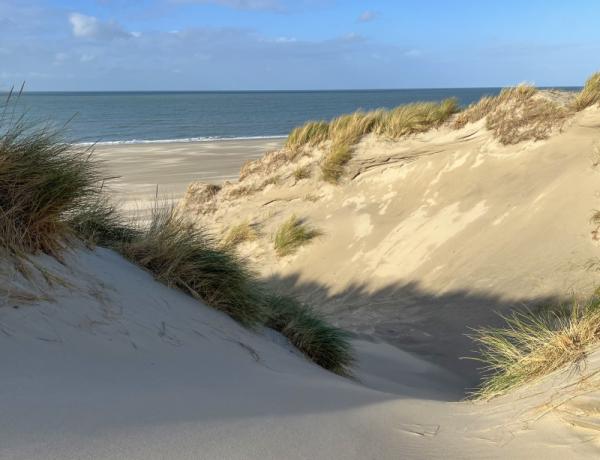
[42, 178]
[326, 345]
[292, 234]
[533, 345]
[590, 94]
[310, 134]
[185, 257]
[238, 234]
[332, 166]
[301, 173]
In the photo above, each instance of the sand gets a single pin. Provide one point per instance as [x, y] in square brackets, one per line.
[142, 170]
[115, 365]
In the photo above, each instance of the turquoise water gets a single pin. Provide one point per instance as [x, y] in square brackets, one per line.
[129, 117]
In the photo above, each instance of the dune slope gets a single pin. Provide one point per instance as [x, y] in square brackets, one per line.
[430, 235]
[101, 361]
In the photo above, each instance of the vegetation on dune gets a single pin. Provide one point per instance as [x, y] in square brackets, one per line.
[239, 233]
[302, 172]
[180, 255]
[52, 192]
[345, 131]
[590, 94]
[323, 343]
[533, 345]
[292, 234]
[42, 178]
[517, 114]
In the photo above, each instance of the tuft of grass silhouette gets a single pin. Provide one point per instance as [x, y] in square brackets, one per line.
[590, 94]
[292, 234]
[533, 345]
[326, 345]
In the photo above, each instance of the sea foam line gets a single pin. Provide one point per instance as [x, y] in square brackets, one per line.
[182, 140]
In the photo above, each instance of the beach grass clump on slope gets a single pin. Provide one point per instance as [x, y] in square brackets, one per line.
[239, 233]
[180, 255]
[532, 345]
[310, 134]
[590, 94]
[291, 235]
[326, 345]
[42, 179]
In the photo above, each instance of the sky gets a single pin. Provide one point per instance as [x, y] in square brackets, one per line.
[302, 44]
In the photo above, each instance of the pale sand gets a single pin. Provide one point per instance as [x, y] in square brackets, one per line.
[140, 170]
[118, 366]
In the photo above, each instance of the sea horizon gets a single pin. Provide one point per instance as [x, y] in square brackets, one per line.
[139, 117]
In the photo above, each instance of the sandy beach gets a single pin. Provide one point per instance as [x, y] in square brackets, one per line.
[139, 170]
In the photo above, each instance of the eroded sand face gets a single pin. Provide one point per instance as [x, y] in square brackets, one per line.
[429, 236]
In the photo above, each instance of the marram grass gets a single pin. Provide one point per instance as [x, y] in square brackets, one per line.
[291, 235]
[533, 345]
[590, 94]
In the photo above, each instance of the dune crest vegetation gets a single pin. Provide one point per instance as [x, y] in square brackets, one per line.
[52, 193]
[345, 131]
[590, 94]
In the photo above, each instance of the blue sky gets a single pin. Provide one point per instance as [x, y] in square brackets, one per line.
[301, 44]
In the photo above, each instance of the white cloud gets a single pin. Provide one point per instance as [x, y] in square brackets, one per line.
[267, 5]
[90, 27]
[367, 16]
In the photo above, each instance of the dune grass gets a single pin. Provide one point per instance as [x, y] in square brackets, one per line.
[42, 178]
[239, 233]
[345, 131]
[590, 94]
[180, 255]
[291, 235]
[306, 329]
[515, 115]
[302, 172]
[533, 345]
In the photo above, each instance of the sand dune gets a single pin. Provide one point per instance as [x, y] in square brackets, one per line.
[424, 238]
[431, 235]
[116, 365]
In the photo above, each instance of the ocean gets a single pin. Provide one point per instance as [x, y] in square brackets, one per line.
[138, 117]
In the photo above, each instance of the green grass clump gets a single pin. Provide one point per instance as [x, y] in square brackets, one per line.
[310, 134]
[42, 178]
[183, 256]
[326, 345]
[98, 222]
[590, 94]
[292, 234]
[332, 166]
[533, 345]
[239, 233]
[346, 131]
[415, 118]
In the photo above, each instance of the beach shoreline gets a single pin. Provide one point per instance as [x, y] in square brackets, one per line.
[140, 172]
